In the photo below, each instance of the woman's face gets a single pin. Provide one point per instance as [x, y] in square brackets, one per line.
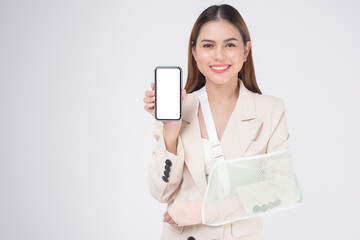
[219, 45]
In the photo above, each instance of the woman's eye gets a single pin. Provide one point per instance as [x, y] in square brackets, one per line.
[208, 45]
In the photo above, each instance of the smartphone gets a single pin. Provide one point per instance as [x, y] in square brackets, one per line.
[168, 93]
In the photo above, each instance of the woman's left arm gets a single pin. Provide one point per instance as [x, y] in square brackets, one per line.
[277, 182]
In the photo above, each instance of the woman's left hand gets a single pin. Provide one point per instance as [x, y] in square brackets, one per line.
[168, 219]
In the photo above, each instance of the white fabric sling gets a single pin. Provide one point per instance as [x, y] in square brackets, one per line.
[246, 187]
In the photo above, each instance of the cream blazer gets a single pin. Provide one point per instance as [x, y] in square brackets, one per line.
[256, 126]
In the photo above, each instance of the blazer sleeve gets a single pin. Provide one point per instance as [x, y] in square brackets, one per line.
[277, 183]
[165, 170]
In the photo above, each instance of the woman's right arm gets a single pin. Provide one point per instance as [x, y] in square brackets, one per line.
[165, 170]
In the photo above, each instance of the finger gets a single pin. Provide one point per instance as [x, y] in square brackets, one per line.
[175, 225]
[171, 221]
[184, 94]
[152, 85]
[167, 218]
[149, 93]
[149, 99]
[149, 106]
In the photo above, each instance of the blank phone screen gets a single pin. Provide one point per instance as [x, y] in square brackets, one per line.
[168, 93]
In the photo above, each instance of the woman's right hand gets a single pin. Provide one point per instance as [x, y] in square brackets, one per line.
[171, 128]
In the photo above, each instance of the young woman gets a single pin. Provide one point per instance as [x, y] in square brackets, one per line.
[247, 123]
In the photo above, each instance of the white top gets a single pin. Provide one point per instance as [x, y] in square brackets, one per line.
[209, 160]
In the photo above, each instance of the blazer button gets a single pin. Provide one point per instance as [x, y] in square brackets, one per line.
[168, 162]
[165, 178]
[166, 173]
[167, 167]
[191, 238]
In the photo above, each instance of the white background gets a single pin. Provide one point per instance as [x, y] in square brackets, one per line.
[75, 140]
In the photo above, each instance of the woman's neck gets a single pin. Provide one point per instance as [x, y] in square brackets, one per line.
[222, 93]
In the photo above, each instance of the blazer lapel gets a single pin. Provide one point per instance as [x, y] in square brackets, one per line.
[240, 130]
[242, 127]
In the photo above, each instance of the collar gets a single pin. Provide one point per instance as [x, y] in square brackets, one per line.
[245, 104]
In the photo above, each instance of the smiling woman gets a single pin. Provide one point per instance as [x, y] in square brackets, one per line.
[220, 38]
[245, 123]
[220, 50]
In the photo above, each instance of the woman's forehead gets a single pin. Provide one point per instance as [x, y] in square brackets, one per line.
[218, 31]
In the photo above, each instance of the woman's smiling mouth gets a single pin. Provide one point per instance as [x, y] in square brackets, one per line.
[220, 68]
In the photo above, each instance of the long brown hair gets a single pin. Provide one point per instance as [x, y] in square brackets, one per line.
[195, 79]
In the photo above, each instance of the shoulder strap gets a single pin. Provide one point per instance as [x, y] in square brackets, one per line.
[210, 126]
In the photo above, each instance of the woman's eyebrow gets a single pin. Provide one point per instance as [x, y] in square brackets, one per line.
[229, 39]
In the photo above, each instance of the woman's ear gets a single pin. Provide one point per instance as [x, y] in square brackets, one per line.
[247, 49]
[193, 50]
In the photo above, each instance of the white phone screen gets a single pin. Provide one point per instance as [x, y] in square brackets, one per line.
[168, 93]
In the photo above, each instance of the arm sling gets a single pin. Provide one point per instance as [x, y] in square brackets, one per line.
[246, 187]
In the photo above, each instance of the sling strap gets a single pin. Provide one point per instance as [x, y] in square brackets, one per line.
[215, 145]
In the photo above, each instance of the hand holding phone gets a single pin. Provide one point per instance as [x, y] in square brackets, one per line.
[171, 128]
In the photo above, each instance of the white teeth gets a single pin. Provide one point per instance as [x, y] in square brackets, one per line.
[219, 68]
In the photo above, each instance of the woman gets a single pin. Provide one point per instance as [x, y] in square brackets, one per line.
[247, 123]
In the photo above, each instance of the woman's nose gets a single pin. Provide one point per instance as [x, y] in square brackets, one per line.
[219, 53]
